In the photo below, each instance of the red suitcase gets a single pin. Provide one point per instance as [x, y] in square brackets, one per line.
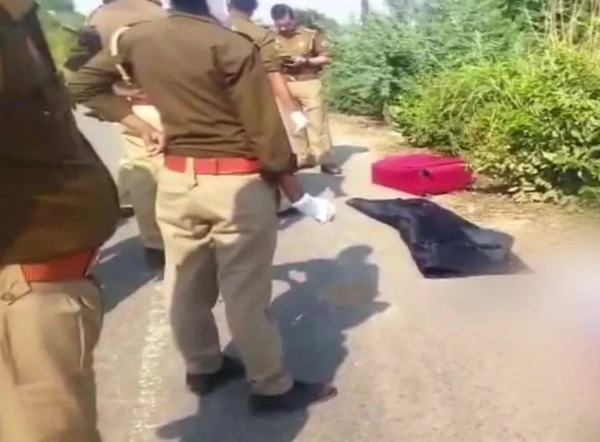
[422, 174]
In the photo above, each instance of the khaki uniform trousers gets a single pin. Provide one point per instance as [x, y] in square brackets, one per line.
[48, 332]
[298, 141]
[315, 142]
[220, 233]
[137, 184]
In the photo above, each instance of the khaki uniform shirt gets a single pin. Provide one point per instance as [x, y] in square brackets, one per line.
[264, 40]
[108, 18]
[303, 43]
[208, 84]
[56, 196]
[105, 21]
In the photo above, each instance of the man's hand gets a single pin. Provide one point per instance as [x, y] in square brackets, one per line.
[295, 62]
[127, 92]
[154, 139]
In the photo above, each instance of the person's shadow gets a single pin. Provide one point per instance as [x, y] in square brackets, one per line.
[323, 300]
[121, 271]
[317, 183]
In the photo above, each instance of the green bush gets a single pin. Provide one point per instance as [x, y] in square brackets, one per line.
[513, 85]
[59, 40]
[378, 60]
[374, 63]
[531, 121]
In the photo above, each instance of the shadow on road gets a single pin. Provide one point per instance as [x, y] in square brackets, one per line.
[323, 300]
[122, 271]
[317, 183]
[343, 152]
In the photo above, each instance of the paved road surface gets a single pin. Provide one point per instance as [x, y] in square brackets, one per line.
[448, 361]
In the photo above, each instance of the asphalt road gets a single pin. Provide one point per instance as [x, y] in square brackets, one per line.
[470, 360]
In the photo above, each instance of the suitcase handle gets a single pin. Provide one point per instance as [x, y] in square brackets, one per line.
[426, 173]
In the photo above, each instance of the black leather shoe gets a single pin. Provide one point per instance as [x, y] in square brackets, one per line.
[331, 169]
[204, 384]
[307, 163]
[155, 258]
[300, 397]
[126, 212]
[290, 211]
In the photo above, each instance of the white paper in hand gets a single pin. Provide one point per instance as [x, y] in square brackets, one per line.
[300, 121]
[318, 208]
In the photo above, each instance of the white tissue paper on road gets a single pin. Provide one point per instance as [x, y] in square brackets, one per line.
[318, 208]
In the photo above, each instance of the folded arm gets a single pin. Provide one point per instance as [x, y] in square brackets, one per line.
[93, 86]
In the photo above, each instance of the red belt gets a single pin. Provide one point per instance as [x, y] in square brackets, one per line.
[62, 269]
[213, 166]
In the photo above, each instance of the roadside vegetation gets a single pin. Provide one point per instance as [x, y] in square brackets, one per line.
[57, 16]
[511, 85]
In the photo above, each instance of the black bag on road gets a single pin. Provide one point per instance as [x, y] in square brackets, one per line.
[442, 244]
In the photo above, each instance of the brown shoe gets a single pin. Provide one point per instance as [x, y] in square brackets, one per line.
[300, 397]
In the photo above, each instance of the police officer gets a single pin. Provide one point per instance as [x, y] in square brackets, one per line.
[138, 172]
[241, 12]
[304, 54]
[240, 20]
[59, 204]
[226, 153]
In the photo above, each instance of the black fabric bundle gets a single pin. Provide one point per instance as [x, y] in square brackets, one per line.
[443, 244]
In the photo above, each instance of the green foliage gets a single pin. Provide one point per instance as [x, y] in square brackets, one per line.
[53, 14]
[512, 85]
[460, 32]
[58, 5]
[532, 121]
[59, 39]
[316, 20]
[374, 63]
[381, 58]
